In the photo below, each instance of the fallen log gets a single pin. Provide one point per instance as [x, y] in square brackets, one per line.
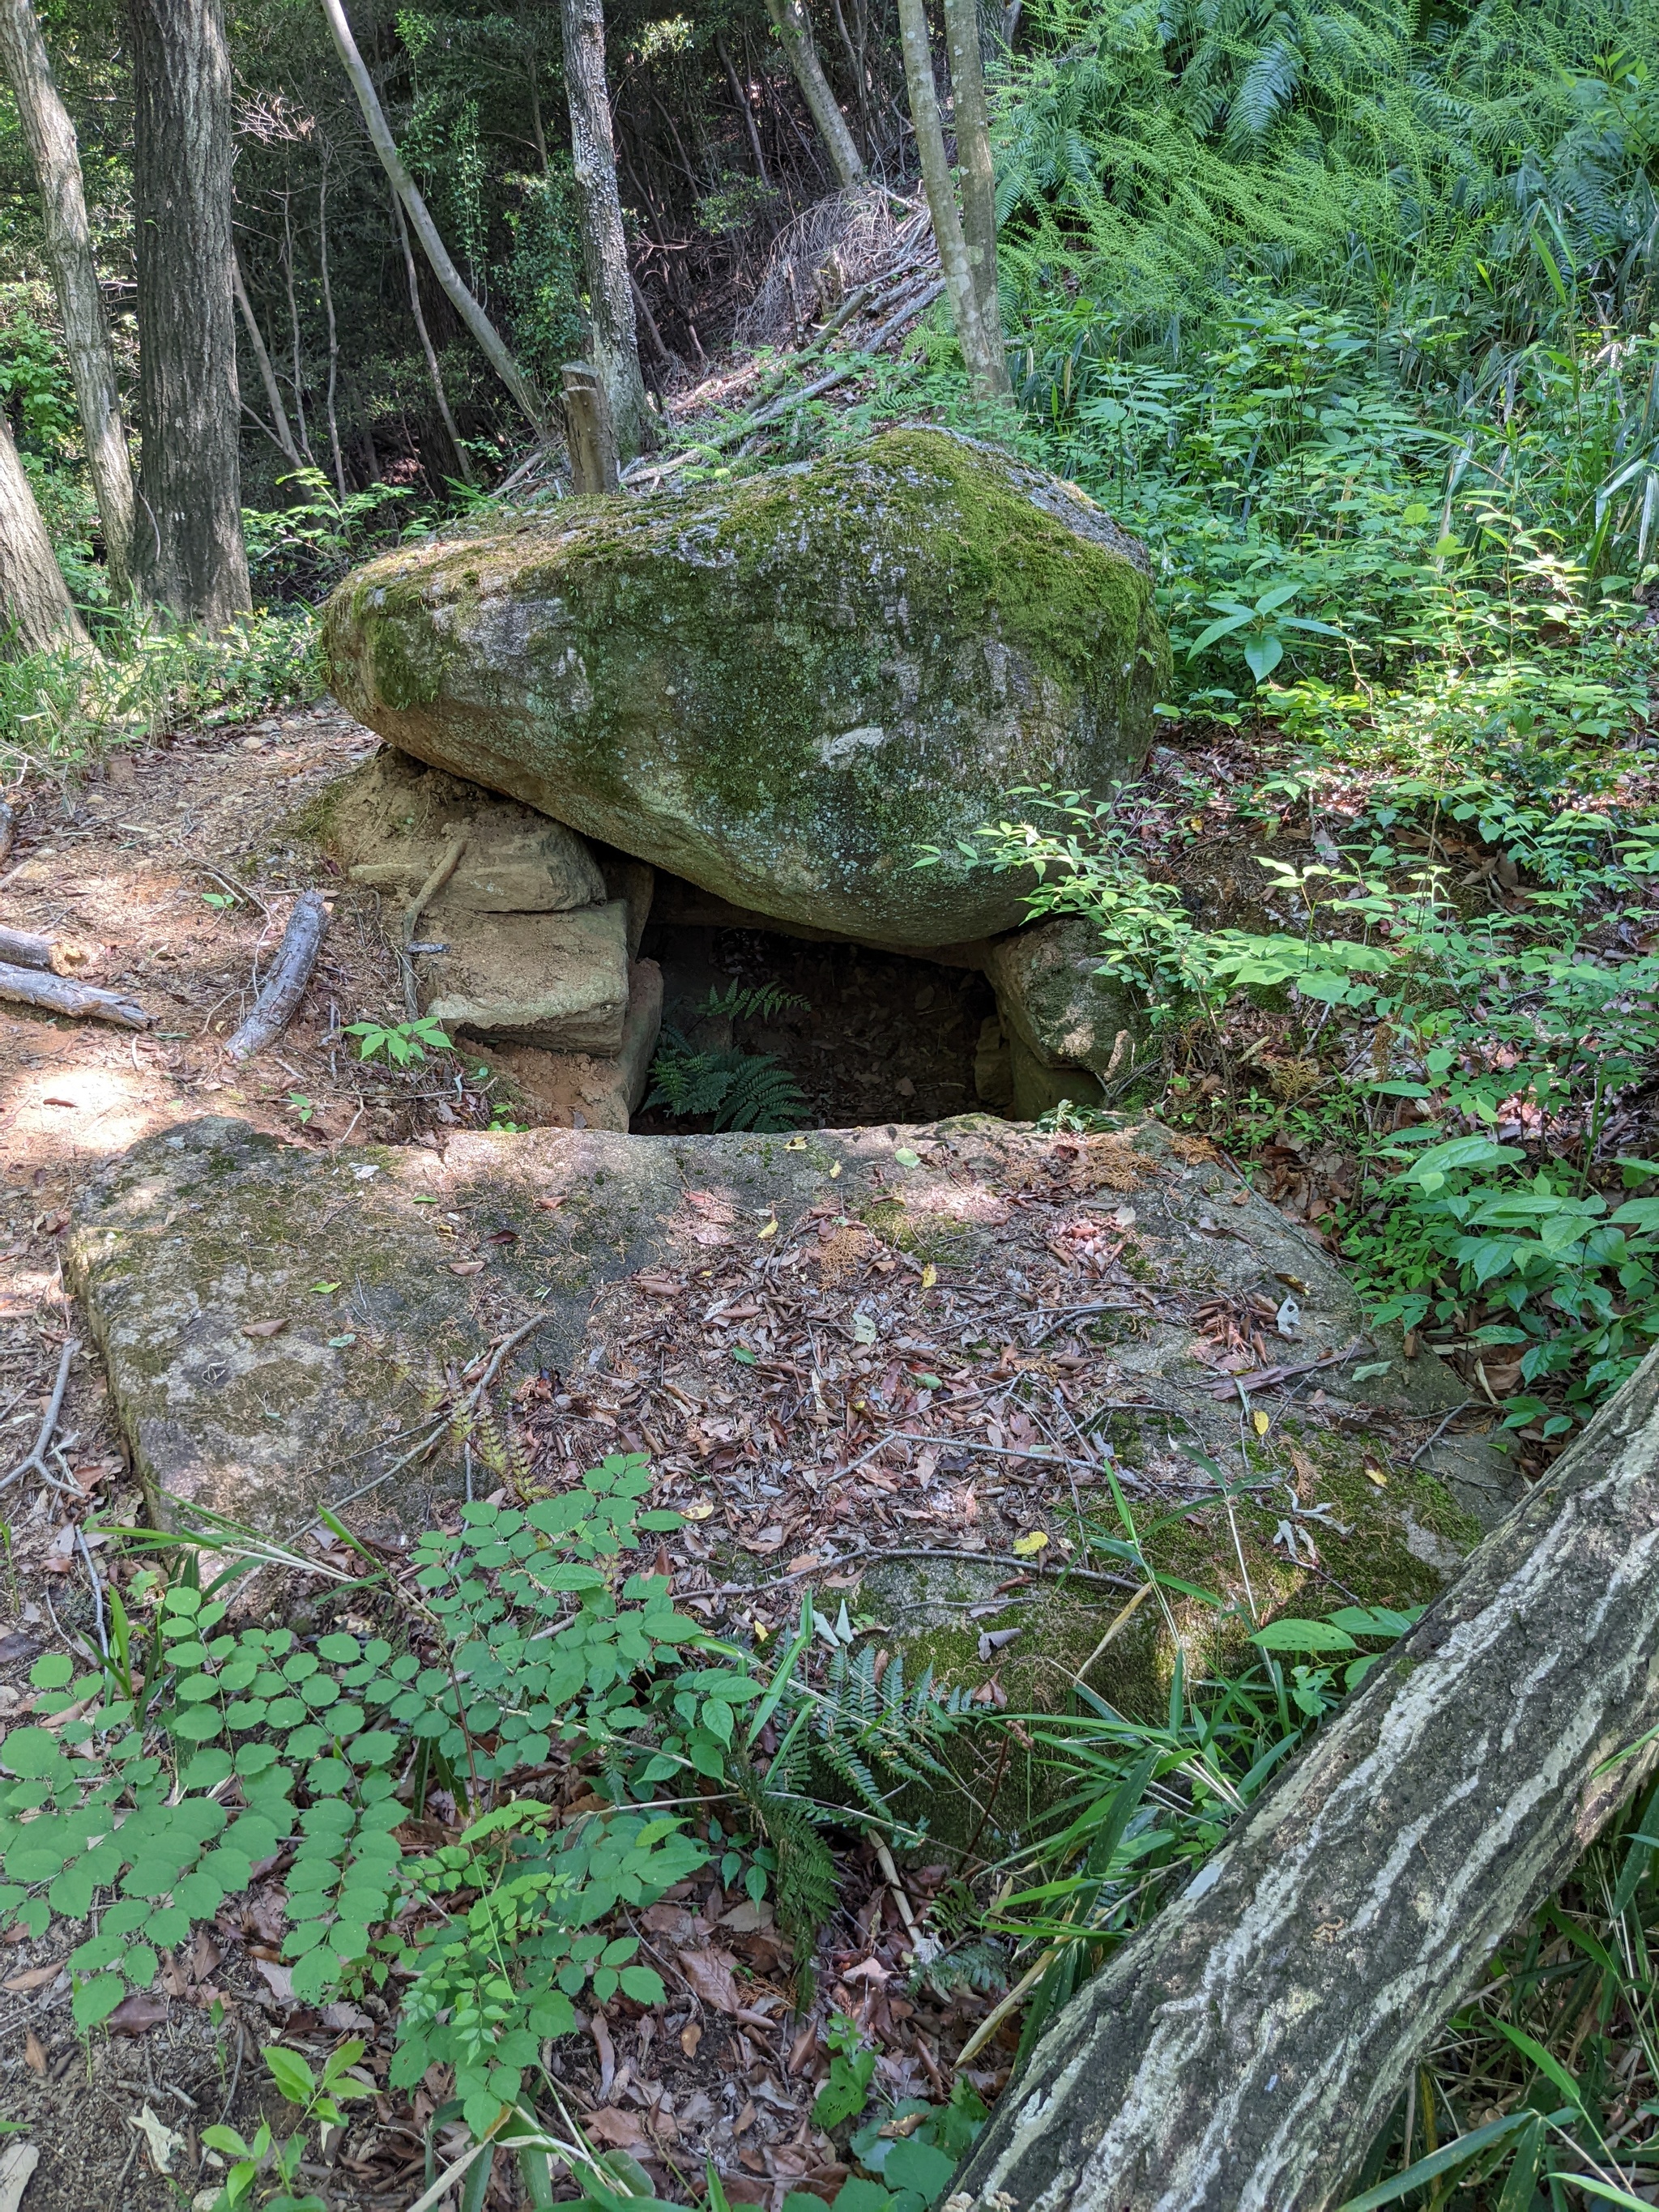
[1239, 2053]
[60, 995]
[22, 948]
[285, 985]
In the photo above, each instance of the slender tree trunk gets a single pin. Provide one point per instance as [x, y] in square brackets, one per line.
[615, 346]
[856, 63]
[740, 93]
[380, 131]
[57, 157]
[1239, 2053]
[333, 419]
[462, 458]
[189, 552]
[794, 30]
[536, 131]
[35, 607]
[279, 423]
[979, 183]
[658, 345]
[961, 287]
[296, 377]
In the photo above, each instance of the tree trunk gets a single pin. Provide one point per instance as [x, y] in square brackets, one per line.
[189, 553]
[57, 157]
[35, 607]
[462, 458]
[615, 347]
[280, 431]
[1238, 2054]
[745, 106]
[794, 30]
[960, 285]
[979, 184]
[329, 412]
[380, 131]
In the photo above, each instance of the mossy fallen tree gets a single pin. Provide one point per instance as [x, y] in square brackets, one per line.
[1239, 2053]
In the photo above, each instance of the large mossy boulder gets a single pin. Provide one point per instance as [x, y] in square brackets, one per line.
[782, 687]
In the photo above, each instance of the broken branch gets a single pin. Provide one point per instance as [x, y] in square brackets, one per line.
[25, 949]
[296, 956]
[37, 1458]
[33, 987]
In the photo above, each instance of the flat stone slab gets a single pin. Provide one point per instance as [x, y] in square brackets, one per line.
[559, 980]
[277, 1321]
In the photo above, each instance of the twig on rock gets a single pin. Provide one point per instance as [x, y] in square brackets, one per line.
[32, 986]
[449, 861]
[1430, 1442]
[879, 1553]
[296, 956]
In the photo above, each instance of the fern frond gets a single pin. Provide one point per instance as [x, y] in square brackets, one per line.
[752, 1002]
[762, 1095]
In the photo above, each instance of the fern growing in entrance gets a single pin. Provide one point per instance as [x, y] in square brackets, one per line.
[741, 1090]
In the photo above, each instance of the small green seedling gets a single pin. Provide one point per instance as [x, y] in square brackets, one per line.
[403, 1042]
[319, 2099]
[852, 2069]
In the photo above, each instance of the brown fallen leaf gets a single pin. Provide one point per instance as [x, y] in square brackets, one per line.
[34, 2057]
[466, 1267]
[657, 1284]
[204, 1955]
[36, 1978]
[263, 1328]
[690, 2037]
[551, 1205]
[672, 1921]
[710, 1973]
[745, 1919]
[137, 2015]
[278, 1979]
[620, 2129]
[867, 1970]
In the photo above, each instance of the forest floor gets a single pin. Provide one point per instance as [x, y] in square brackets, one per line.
[179, 866]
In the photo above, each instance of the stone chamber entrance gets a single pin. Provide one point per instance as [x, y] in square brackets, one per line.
[577, 972]
[866, 1036]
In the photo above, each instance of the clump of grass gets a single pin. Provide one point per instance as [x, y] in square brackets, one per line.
[65, 706]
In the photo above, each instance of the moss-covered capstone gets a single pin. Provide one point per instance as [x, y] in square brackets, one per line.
[782, 687]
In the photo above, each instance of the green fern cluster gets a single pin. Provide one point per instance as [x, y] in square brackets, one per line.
[1493, 163]
[750, 1002]
[804, 1890]
[864, 1717]
[741, 1090]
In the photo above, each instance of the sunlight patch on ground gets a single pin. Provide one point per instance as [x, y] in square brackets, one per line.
[62, 1114]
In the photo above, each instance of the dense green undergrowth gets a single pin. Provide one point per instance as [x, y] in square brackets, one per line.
[525, 1657]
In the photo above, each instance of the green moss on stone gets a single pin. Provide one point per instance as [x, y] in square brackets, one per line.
[772, 686]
